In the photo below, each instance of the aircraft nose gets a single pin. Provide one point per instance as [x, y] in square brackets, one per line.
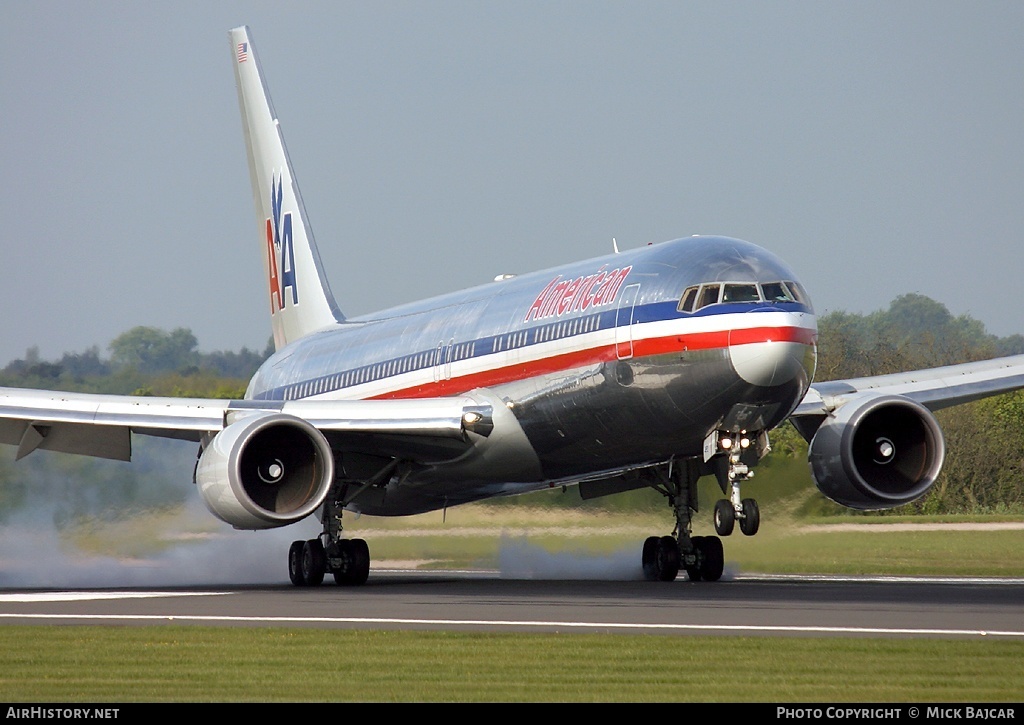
[771, 357]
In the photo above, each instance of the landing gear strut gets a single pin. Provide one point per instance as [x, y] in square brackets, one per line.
[701, 556]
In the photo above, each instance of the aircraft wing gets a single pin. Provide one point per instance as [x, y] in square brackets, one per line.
[101, 425]
[934, 388]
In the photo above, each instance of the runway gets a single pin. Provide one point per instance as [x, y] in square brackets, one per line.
[750, 605]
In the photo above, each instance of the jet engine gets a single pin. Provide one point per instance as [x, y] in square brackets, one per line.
[877, 452]
[265, 471]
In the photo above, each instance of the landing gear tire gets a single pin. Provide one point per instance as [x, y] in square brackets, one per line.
[649, 558]
[668, 559]
[314, 563]
[712, 559]
[295, 563]
[661, 558]
[751, 520]
[725, 517]
[694, 571]
[355, 557]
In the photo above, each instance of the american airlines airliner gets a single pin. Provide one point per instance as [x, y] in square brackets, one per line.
[645, 368]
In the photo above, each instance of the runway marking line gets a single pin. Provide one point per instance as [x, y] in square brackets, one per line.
[91, 596]
[524, 624]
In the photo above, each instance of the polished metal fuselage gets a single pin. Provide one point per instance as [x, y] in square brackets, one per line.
[593, 367]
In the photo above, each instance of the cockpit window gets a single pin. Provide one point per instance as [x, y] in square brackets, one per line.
[699, 296]
[687, 300]
[741, 293]
[708, 295]
[776, 292]
[798, 293]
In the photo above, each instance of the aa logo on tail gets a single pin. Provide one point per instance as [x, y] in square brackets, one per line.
[280, 252]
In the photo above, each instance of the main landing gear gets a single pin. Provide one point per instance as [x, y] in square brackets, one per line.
[348, 560]
[702, 557]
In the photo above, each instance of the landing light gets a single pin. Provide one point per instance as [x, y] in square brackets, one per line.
[472, 417]
[725, 442]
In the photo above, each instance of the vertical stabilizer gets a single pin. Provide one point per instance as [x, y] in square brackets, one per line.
[300, 298]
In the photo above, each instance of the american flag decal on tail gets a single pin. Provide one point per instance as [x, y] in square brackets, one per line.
[243, 52]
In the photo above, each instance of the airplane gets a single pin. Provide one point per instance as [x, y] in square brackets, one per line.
[651, 367]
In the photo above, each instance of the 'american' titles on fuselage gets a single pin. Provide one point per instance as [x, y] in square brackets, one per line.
[563, 296]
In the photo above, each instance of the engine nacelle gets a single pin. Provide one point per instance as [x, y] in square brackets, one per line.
[877, 452]
[265, 471]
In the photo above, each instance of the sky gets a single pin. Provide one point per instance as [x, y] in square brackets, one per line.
[875, 146]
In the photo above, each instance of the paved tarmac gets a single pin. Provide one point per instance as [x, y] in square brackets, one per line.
[482, 601]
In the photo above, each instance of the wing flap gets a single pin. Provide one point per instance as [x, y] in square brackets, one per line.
[98, 441]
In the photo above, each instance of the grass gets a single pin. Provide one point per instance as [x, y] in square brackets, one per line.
[204, 664]
[904, 553]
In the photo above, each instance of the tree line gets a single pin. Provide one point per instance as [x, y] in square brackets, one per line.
[142, 361]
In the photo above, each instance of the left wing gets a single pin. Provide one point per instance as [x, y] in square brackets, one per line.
[874, 442]
[934, 388]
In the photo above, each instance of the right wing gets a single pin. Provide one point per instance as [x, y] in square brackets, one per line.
[101, 425]
[262, 464]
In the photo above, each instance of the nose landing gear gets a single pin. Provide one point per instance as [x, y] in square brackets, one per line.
[728, 512]
[730, 472]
